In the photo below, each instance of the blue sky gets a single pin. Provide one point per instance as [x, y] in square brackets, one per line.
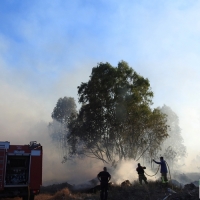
[47, 48]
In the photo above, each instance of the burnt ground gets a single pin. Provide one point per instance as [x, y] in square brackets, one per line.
[153, 191]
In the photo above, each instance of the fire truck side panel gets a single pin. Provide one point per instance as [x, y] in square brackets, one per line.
[20, 169]
[17, 170]
[36, 169]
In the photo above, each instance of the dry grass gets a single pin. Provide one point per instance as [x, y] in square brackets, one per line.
[65, 194]
[43, 197]
[152, 191]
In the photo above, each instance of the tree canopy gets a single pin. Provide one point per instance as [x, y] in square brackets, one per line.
[64, 109]
[115, 120]
[173, 148]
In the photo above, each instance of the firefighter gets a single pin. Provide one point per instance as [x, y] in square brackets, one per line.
[104, 177]
[163, 169]
[141, 175]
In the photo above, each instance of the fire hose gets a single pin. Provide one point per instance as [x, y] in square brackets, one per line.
[169, 174]
[157, 172]
[153, 174]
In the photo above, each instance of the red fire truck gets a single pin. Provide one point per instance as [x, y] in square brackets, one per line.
[20, 170]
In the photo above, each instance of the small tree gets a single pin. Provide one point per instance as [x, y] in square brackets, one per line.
[172, 148]
[63, 111]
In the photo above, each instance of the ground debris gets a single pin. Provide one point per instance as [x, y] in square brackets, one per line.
[189, 192]
[134, 191]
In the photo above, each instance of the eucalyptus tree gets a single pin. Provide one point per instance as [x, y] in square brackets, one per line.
[115, 120]
[64, 109]
[173, 147]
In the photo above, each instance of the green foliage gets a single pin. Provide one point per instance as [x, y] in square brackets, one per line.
[64, 110]
[115, 120]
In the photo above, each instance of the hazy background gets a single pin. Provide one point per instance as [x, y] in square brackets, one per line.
[47, 48]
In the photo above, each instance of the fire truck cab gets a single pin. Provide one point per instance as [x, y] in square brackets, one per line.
[20, 170]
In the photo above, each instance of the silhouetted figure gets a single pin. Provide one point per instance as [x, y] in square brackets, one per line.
[163, 169]
[141, 175]
[104, 177]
